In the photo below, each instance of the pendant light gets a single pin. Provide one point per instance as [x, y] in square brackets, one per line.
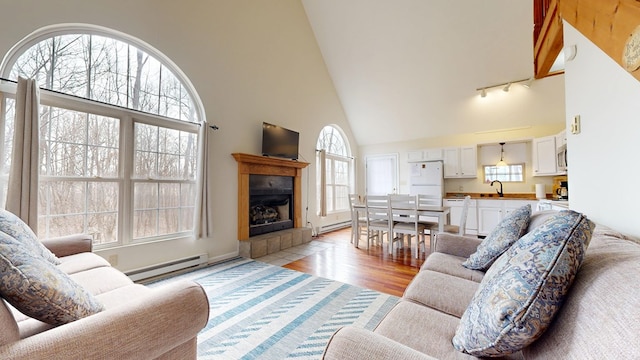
[501, 163]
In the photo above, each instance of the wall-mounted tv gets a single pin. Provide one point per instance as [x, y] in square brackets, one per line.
[280, 142]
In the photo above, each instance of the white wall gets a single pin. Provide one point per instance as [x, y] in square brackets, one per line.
[603, 164]
[250, 61]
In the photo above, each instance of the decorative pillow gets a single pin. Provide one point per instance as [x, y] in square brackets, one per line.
[510, 229]
[520, 294]
[38, 288]
[13, 226]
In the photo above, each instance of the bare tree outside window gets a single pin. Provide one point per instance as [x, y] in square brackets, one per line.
[83, 163]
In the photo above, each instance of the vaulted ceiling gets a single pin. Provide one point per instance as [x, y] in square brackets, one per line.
[409, 69]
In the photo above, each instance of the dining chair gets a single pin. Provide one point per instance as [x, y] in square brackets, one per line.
[451, 229]
[406, 221]
[358, 219]
[429, 200]
[378, 217]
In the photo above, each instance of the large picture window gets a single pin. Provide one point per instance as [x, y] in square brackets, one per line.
[118, 137]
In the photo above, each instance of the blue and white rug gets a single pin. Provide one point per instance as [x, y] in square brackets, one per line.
[261, 311]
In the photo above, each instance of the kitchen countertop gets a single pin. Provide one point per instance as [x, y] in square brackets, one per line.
[494, 196]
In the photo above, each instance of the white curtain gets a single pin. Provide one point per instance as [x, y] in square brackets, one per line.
[22, 195]
[322, 162]
[204, 215]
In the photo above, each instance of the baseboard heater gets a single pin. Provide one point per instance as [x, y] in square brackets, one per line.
[336, 226]
[167, 267]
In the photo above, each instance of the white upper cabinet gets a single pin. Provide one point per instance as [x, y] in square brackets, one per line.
[424, 155]
[544, 156]
[461, 162]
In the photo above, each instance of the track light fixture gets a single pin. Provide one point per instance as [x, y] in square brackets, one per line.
[506, 86]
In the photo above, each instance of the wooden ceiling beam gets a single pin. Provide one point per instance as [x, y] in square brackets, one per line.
[549, 41]
[607, 23]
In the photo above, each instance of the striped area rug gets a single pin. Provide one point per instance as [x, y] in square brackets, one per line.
[261, 311]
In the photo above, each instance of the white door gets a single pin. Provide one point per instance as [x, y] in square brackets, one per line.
[381, 174]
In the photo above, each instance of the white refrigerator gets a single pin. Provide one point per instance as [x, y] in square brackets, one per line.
[427, 178]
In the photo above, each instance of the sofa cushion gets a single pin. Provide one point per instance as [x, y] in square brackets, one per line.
[424, 329]
[520, 294]
[13, 226]
[600, 317]
[510, 229]
[451, 265]
[427, 286]
[38, 288]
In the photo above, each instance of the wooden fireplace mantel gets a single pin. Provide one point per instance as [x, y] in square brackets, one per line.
[262, 165]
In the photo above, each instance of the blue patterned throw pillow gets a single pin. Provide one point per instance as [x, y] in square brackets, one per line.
[13, 226]
[38, 288]
[520, 294]
[510, 229]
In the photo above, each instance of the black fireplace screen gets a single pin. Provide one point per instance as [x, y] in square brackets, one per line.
[270, 203]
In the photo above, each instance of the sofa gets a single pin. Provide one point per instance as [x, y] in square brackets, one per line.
[134, 321]
[598, 318]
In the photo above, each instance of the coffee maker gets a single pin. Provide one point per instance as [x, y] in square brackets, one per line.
[562, 192]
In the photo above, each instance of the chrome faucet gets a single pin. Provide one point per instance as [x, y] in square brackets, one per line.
[500, 193]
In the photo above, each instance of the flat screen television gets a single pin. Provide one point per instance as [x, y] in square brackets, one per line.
[279, 142]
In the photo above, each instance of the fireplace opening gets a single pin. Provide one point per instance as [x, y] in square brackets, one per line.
[270, 203]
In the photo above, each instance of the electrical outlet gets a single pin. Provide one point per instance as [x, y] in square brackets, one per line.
[575, 125]
[460, 188]
[113, 260]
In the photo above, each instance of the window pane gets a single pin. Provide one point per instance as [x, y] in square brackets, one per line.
[145, 224]
[103, 227]
[145, 196]
[65, 197]
[7, 147]
[169, 195]
[145, 219]
[510, 173]
[102, 197]
[169, 220]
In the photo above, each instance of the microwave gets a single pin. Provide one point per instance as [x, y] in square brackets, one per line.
[561, 158]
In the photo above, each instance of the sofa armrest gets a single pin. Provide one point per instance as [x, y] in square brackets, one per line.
[69, 245]
[462, 246]
[148, 326]
[354, 343]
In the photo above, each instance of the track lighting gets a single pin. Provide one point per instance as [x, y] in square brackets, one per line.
[506, 86]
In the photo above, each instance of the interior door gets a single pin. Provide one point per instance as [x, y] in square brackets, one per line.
[381, 174]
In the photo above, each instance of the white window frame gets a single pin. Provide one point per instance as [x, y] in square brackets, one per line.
[127, 118]
[330, 182]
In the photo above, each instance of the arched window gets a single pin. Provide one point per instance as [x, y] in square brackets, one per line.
[118, 135]
[336, 175]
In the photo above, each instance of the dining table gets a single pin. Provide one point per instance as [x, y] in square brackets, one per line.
[440, 212]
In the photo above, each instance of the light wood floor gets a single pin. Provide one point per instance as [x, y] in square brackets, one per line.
[372, 269]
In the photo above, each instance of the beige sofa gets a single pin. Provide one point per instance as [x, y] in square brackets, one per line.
[138, 322]
[600, 318]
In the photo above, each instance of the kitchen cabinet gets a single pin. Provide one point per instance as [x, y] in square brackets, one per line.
[544, 156]
[491, 212]
[424, 155]
[461, 162]
[471, 227]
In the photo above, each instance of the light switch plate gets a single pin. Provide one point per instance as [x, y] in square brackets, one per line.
[575, 125]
